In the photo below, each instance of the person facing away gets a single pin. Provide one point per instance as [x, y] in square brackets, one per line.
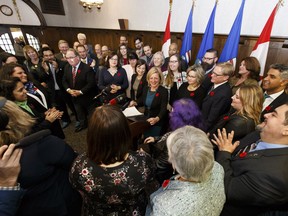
[198, 189]
[112, 179]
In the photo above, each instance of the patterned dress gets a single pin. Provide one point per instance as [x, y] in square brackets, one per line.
[120, 190]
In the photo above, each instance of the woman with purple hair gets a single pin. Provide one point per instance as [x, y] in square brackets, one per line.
[184, 112]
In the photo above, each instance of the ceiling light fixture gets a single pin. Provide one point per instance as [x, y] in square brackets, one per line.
[90, 3]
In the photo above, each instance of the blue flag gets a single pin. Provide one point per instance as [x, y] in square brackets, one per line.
[187, 40]
[208, 37]
[230, 50]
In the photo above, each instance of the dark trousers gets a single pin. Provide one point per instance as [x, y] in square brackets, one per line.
[83, 111]
[61, 105]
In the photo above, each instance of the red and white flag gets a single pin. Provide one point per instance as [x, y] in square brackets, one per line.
[260, 50]
[167, 35]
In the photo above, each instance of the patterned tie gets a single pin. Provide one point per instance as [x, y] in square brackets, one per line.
[74, 72]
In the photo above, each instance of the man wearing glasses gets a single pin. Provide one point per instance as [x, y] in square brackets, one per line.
[208, 63]
[79, 82]
[217, 101]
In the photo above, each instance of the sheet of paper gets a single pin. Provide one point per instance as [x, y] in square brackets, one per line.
[131, 111]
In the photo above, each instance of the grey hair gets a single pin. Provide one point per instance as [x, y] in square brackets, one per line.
[191, 153]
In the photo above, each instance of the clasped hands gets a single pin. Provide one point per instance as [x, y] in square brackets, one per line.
[52, 114]
[114, 88]
[74, 93]
[224, 141]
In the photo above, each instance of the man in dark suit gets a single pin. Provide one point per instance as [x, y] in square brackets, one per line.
[79, 82]
[148, 54]
[55, 68]
[218, 100]
[274, 85]
[256, 176]
[208, 63]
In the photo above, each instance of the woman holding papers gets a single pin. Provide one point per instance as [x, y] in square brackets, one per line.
[155, 100]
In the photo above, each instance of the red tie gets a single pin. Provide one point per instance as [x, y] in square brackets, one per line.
[74, 72]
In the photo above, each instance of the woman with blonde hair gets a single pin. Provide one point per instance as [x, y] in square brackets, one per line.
[155, 100]
[34, 64]
[45, 164]
[245, 113]
[193, 89]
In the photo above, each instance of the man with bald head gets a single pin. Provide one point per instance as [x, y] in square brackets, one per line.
[173, 49]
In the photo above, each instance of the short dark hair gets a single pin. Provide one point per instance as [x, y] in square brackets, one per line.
[7, 87]
[212, 50]
[46, 49]
[137, 38]
[108, 137]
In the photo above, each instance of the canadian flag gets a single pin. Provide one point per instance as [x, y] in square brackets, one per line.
[260, 49]
[167, 37]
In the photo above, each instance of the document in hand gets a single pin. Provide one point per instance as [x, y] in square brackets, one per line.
[131, 111]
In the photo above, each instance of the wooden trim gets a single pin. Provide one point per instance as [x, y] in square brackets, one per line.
[37, 11]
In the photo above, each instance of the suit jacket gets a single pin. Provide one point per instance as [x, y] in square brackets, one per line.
[159, 103]
[216, 103]
[280, 100]
[142, 84]
[42, 124]
[84, 81]
[207, 84]
[10, 201]
[255, 182]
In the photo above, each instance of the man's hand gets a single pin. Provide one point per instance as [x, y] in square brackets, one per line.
[224, 141]
[9, 165]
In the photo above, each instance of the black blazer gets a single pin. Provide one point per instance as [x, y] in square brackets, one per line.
[159, 103]
[84, 81]
[42, 124]
[216, 103]
[239, 124]
[142, 84]
[280, 100]
[256, 182]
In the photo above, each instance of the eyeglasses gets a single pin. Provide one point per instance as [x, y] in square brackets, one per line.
[72, 57]
[173, 62]
[113, 59]
[217, 74]
[207, 58]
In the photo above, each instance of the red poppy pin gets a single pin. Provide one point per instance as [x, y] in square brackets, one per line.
[192, 94]
[141, 82]
[78, 71]
[210, 75]
[179, 80]
[165, 183]
[118, 74]
[226, 118]
[35, 88]
[243, 154]
[157, 94]
[212, 93]
[268, 108]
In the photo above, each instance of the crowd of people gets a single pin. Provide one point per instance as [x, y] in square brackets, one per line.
[216, 142]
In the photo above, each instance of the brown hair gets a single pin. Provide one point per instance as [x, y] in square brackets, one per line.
[253, 66]
[108, 137]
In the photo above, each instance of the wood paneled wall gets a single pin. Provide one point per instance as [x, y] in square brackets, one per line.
[51, 35]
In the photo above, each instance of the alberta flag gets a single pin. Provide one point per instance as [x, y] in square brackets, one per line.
[167, 37]
[187, 40]
[260, 49]
[208, 38]
[230, 50]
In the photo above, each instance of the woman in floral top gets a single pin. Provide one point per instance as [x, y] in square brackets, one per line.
[112, 179]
